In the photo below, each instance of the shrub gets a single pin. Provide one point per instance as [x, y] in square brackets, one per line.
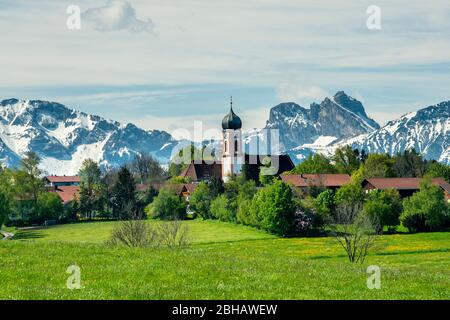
[274, 208]
[350, 194]
[425, 210]
[167, 205]
[324, 203]
[5, 207]
[200, 200]
[383, 207]
[172, 234]
[132, 233]
[221, 210]
[49, 207]
[139, 233]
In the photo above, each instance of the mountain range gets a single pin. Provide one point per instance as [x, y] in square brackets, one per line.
[63, 137]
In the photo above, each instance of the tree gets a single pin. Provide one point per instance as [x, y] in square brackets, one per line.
[438, 170]
[147, 169]
[378, 166]
[426, 209]
[50, 207]
[220, 209]
[249, 172]
[5, 206]
[409, 164]
[90, 188]
[6, 194]
[28, 178]
[325, 204]
[346, 160]
[350, 194]
[200, 200]
[124, 195]
[353, 231]
[273, 207]
[383, 207]
[246, 193]
[216, 186]
[316, 163]
[167, 205]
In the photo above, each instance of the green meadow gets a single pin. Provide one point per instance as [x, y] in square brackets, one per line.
[224, 261]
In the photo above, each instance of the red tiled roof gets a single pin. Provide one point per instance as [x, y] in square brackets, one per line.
[317, 180]
[67, 193]
[190, 187]
[63, 178]
[405, 183]
[200, 171]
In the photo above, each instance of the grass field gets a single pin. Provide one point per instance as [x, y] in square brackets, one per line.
[225, 261]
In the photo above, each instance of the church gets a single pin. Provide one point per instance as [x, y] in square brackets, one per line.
[234, 160]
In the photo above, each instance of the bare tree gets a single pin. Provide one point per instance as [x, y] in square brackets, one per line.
[354, 231]
[147, 168]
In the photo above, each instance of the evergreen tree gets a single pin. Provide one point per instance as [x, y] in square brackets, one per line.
[90, 188]
[124, 195]
[409, 164]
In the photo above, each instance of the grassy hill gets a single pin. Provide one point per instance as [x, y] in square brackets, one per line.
[225, 261]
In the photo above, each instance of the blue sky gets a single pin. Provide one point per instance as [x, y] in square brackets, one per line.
[164, 63]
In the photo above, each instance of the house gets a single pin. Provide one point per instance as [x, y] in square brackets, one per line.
[233, 158]
[59, 181]
[329, 181]
[66, 187]
[405, 186]
[67, 193]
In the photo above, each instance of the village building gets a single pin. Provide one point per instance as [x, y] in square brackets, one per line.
[405, 186]
[60, 181]
[304, 181]
[66, 187]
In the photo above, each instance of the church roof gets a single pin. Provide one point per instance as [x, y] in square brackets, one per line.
[231, 120]
[202, 171]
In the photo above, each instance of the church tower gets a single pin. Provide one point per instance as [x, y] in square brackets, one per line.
[232, 154]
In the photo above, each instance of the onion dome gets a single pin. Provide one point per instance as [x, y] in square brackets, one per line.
[231, 120]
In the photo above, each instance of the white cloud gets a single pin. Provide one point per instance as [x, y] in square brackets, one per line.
[293, 92]
[117, 15]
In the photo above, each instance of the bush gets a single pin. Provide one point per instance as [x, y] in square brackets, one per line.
[167, 205]
[139, 233]
[426, 209]
[200, 200]
[383, 207]
[350, 194]
[132, 233]
[49, 207]
[220, 209]
[274, 208]
[5, 208]
[324, 203]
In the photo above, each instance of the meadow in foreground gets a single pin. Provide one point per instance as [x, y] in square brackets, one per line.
[225, 261]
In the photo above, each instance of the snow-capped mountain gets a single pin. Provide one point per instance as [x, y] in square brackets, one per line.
[339, 117]
[427, 131]
[63, 137]
[301, 129]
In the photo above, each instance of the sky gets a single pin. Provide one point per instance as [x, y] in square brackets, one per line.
[163, 64]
